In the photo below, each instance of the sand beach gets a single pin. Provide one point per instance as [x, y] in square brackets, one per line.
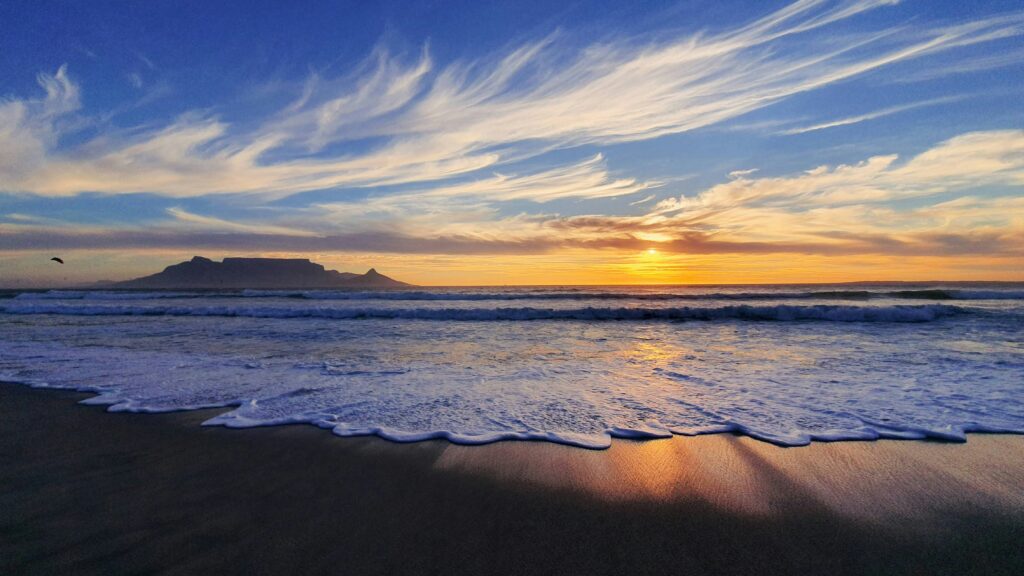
[88, 492]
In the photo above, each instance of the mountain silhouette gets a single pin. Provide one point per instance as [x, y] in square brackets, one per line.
[265, 273]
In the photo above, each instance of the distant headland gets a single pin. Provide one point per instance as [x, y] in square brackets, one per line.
[265, 273]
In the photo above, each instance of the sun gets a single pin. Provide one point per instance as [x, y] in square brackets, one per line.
[651, 251]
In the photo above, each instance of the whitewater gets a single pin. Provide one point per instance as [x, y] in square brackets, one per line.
[574, 365]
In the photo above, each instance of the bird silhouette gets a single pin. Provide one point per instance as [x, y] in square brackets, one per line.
[55, 259]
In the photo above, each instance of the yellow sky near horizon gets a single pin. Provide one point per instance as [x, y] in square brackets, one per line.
[806, 142]
[571, 267]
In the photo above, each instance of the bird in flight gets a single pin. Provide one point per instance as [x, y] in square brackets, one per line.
[55, 259]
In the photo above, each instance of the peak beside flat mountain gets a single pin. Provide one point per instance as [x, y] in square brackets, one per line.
[265, 273]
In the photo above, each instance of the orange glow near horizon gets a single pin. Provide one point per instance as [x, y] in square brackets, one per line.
[581, 267]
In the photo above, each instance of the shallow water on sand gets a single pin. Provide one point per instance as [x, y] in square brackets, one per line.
[786, 364]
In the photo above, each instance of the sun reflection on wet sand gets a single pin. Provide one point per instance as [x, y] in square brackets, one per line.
[883, 481]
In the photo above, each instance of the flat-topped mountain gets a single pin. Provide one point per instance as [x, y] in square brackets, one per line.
[265, 273]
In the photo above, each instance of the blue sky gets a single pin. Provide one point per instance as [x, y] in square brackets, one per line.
[470, 142]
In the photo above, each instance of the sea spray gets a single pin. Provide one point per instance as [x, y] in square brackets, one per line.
[572, 365]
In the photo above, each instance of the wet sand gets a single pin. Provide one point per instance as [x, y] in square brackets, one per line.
[87, 492]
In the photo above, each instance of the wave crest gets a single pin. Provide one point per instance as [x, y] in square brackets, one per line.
[779, 313]
[935, 294]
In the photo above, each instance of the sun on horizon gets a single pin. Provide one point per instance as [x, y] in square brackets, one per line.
[778, 142]
[518, 287]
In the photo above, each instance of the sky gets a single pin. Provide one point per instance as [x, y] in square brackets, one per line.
[516, 142]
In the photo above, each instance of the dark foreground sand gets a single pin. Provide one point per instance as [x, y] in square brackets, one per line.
[83, 491]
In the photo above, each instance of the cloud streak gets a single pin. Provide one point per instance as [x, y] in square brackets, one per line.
[208, 223]
[869, 116]
[835, 211]
[415, 122]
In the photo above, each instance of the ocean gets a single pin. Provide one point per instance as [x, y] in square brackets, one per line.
[575, 365]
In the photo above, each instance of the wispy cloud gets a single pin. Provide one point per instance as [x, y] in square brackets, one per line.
[847, 208]
[966, 66]
[587, 179]
[218, 224]
[29, 128]
[839, 211]
[145, 60]
[742, 173]
[871, 115]
[432, 123]
[643, 200]
[31, 219]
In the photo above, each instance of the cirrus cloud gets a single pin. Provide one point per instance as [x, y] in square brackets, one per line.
[430, 123]
[842, 210]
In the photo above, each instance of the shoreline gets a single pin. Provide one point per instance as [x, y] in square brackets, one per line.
[92, 397]
[91, 492]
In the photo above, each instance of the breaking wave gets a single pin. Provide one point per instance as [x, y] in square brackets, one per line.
[779, 313]
[929, 294]
[937, 294]
[575, 365]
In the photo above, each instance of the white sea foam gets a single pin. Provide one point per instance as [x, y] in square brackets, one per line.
[539, 294]
[591, 294]
[475, 372]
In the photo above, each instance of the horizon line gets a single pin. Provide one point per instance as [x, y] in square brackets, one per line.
[94, 286]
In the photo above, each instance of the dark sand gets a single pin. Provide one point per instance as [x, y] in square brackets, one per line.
[86, 492]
